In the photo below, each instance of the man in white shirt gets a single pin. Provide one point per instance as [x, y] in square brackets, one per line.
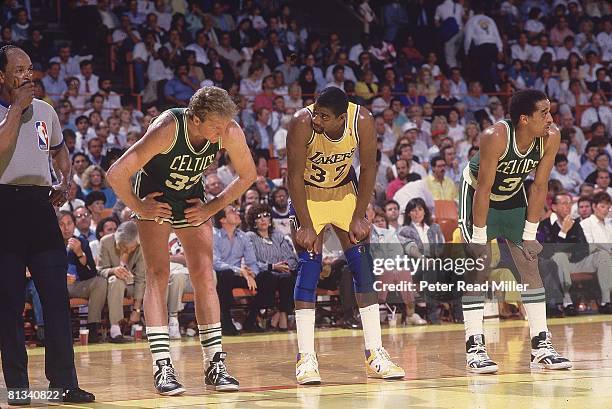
[482, 30]
[570, 179]
[338, 77]
[89, 80]
[69, 66]
[451, 9]
[596, 113]
[200, 47]
[342, 62]
[542, 47]
[548, 85]
[522, 50]
[604, 39]
[563, 51]
[598, 232]
[415, 187]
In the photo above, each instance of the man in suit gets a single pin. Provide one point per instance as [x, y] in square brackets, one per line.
[275, 52]
[566, 248]
[122, 263]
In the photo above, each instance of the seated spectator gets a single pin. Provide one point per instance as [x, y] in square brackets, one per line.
[122, 264]
[82, 276]
[541, 48]
[231, 246]
[602, 83]
[85, 228]
[570, 179]
[590, 154]
[602, 163]
[279, 200]
[386, 244]
[276, 261]
[475, 100]
[547, 84]
[392, 214]
[95, 149]
[402, 177]
[73, 201]
[94, 180]
[598, 233]
[261, 135]
[107, 226]
[252, 84]
[366, 88]
[54, 85]
[265, 98]
[181, 88]
[416, 187]
[213, 186]
[294, 99]
[564, 243]
[419, 228]
[603, 181]
[441, 186]
[80, 162]
[338, 78]
[598, 112]
[582, 209]
[522, 49]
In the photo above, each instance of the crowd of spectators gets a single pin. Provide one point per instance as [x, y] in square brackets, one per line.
[433, 73]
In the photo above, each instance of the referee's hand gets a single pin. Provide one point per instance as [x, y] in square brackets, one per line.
[150, 208]
[23, 95]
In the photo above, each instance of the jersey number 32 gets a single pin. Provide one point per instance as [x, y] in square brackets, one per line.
[181, 182]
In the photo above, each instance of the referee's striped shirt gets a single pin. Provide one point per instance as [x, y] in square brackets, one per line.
[275, 249]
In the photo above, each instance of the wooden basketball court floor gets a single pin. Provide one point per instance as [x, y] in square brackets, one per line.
[433, 357]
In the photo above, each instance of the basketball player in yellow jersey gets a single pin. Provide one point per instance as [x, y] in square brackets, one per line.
[321, 143]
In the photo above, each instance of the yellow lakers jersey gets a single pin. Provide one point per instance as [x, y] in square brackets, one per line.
[328, 161]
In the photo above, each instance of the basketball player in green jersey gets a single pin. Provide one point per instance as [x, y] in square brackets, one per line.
[493, 203]
[169, 162]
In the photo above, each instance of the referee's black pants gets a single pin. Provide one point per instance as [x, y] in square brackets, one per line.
[30, 237]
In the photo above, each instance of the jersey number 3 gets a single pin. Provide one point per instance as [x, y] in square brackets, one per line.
[181, 182]
[319, 177]
[509, 184]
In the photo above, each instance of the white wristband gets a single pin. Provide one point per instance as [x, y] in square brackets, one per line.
[529, 233]
[479, 235]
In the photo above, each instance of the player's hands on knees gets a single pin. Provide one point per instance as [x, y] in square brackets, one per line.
[198, 213]
[359, 229]
[150, 208]
[306, 237]
[531, 249]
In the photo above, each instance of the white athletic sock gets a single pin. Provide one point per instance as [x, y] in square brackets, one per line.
[115, 330]
[370, 320]
[473, 315]
[305, 323]
[173, 320]
[536, 313]
[159, 343]
[210, 340]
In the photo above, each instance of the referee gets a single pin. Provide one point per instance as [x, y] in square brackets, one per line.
[30, 136]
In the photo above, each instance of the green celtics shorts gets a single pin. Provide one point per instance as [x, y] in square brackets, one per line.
[505, 219]
[144, 185]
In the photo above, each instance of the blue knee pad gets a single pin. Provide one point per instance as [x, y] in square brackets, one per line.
[309, 270]
[361, 264]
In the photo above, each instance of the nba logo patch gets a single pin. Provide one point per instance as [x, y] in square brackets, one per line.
[43, 135]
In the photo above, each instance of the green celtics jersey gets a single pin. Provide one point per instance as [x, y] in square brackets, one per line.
[177, 172]
[513, 167]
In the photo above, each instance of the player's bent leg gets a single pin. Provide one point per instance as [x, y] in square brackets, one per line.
[543, 354]
[197, 245]
[309, 270]
[378, 363]
[154, 244]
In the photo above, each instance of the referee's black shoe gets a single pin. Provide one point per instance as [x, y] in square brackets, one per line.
[77, 395]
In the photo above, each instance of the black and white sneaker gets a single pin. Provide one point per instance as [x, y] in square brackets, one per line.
[217, 374]
[165, 379]
[476, 356]
[544, 355]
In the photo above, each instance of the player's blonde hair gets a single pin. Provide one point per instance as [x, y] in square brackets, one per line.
[209, 101]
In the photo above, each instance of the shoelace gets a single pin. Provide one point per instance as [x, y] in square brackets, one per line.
[547, 344]
[479, 349]
[167, 375]
[384, 357]
[310, 363]
[219, 368]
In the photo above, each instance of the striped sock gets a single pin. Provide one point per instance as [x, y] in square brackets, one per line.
[210, 340]
[473, 313]
[159, 342]
[534, 301]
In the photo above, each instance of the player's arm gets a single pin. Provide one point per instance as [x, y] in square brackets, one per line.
[492, 145]
[242, 161]
[299, 132]
[367, 157]
[158, 138]
[539, 187]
